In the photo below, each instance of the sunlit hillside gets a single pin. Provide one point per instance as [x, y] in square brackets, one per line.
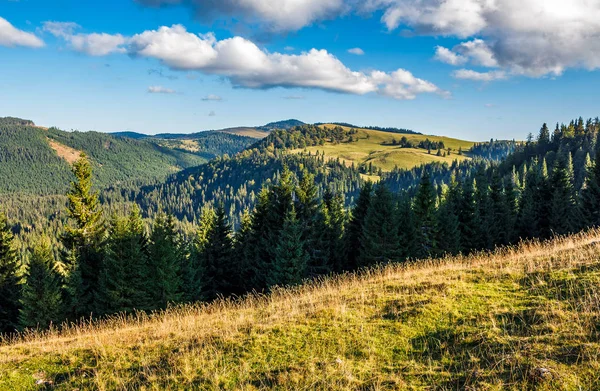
[377, 147]
[522, 318]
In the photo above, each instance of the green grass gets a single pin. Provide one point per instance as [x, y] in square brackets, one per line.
[524, 318]
[371, 148]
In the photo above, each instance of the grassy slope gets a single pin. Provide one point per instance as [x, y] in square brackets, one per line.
[247, 132]
[369, 148]
[523, 318]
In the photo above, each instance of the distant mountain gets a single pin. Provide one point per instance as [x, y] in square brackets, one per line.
[286, 124]
[133, 135]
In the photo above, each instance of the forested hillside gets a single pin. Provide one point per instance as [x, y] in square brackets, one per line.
[37, 161]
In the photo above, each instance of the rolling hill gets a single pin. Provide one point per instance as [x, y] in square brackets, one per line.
[36, 160]
[521, 318]
[382, 149]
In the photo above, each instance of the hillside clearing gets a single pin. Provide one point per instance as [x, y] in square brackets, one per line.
[69, 154]
[377, 148]
[526, 317]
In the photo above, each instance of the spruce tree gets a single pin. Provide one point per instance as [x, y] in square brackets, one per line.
[355, 226]
[424, 209]
[41, 300]
[291, 259]
[563, 207]
[125, 274]
[84, 241]
[380, 239]
[448, 231]
[590, 195]
[219, 266]
[192, 266]
[10, 281]
[468, 218]
[164, 262]
[407, 229]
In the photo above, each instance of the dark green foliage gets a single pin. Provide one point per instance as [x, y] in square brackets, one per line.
[10, 282]
[591, 192]
[83, 241]
[164, 262]
[424, 208]
[564, 217]
[355, 226]
[380, 240]
[291, 258]
[41, 297]
[448, 225]
[219, 266]
[125, 273]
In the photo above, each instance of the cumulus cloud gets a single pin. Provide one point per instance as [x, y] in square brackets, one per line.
[524, 37]
[246, 65]
[11, 36]
[357, 51]
[274, 15]
[92, 44]
[449, 57]
[468, 74]
[215, 98]
[160, 90]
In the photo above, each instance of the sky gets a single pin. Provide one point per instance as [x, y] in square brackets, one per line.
[471, 69]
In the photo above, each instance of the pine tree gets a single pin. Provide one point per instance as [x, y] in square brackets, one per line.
[10, 282]
[468, 218]
[164, 262]
[192, 266]
[407, 229]
[41, 300]
[219, 265]
[355, 226]
[291, 259]
[125, 274]
[243, 253]
[380, 239]
[448, 231]
[424, 209]
[336, 226]
[590, 197]
[84, 241]
[563, 207]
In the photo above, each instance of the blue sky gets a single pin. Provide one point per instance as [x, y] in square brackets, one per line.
[450, 67]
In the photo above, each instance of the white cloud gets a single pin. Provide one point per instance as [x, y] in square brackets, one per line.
[160, 90]
[211, 97]
[357, 51]
[11, 36]
[523, 37]
[449, 57]
[468, 74]
[273, 15]
[246, 65]
[527, 37]
[92, 44]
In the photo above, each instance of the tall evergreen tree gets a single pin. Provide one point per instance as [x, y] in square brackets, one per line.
[41, 301]
[590, 197]
[448, 225]
[291, 258]
[125, 276]
[380, 239]
[468, 218]
[355, 226]
[84, 240]
[192, 266]
[219, 265]
[164, 262]
[424, 207]
[563, 206]
[10, 282]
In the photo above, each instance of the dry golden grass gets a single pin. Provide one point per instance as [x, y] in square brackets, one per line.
[525, 317]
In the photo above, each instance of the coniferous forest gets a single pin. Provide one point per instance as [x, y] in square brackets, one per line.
[265, 217]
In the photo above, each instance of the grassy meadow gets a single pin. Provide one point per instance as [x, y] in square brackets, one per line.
[522, 318]
[374, 146]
